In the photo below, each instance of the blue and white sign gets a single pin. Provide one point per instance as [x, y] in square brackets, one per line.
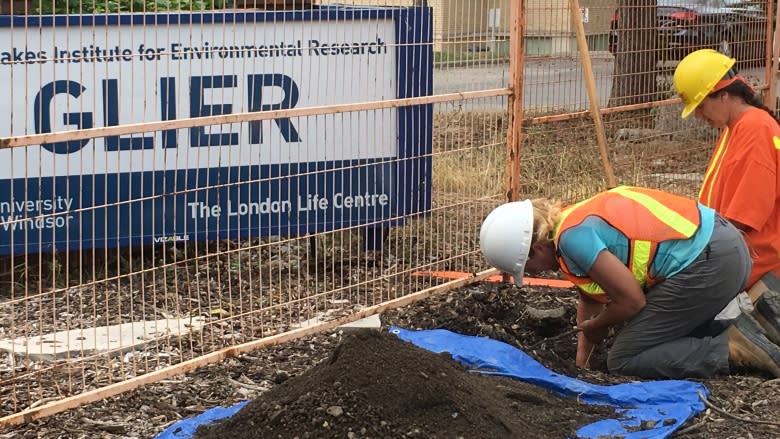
[276, 177]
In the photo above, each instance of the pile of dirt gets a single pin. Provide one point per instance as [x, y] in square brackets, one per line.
[374, 385]
[365, 381]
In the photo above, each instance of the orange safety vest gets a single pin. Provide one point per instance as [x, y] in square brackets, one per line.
[742, 183]
[646, 217]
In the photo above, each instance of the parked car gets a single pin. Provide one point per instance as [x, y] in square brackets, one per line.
[736, 27]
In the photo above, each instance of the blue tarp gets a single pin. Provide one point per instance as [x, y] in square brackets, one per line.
[666, 404]
[660, 407]
[185, 428]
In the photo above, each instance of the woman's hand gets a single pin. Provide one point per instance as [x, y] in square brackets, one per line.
[584, 350]
[587, 308]
[593, 332]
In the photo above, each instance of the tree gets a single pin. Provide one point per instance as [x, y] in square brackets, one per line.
[115, 6]
[636, 54]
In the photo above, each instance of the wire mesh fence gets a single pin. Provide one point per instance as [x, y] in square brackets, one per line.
[634, 46]
[183, 182]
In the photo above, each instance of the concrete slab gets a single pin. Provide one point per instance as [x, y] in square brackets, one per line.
[314, 321]
[87, 341]
[370, 322]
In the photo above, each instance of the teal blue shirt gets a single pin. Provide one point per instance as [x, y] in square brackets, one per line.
[580, 245]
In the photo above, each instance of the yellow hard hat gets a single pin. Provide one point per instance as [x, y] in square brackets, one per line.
[697, 74]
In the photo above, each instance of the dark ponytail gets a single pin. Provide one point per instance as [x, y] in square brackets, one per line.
[741, 89]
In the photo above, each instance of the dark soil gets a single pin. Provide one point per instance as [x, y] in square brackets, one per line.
[301, 376]
[374, 385]
[380, 390]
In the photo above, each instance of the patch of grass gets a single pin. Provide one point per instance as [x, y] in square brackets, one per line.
[469, 154]
[477, 172]
[559, 160]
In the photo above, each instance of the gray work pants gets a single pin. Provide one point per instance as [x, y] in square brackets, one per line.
[661, 341]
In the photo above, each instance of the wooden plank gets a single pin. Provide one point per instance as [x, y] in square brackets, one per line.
[118, 130]
[50, 408]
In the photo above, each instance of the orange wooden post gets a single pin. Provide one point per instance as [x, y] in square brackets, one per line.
[772, 52]
[515, 111]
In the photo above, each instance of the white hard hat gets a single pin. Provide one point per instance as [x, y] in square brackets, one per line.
[506, 235]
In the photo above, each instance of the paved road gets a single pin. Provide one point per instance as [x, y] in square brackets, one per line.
[549, 84]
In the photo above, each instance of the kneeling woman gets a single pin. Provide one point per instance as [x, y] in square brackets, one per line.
[660, 264]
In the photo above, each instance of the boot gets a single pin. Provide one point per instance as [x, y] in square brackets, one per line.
[765, 295]
[768, 282]
[767, 314]
[749, 347]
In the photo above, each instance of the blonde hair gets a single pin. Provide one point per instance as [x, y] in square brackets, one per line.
[547, 213]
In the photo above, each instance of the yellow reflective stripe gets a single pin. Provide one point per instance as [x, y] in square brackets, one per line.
[709, 177]
[663, 213]
[591, 288]
[776, 142]
[640, 260]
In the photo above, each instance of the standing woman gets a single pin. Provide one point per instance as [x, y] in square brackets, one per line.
[742, 181]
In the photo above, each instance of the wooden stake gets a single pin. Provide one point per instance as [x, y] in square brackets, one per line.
[593, 96]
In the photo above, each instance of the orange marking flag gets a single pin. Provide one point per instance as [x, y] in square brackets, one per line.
[455, 275]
